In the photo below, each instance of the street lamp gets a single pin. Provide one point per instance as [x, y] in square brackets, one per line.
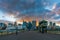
[15, 24]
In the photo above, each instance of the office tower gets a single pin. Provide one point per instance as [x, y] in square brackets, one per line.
[33, 24]
[54, 24]
[10, 25]
[24, 25]
[51, 24]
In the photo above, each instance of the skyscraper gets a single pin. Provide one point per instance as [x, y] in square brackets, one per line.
[54, 24]
[24, 25]
[33, 24]
[10, 24]
[51, 24]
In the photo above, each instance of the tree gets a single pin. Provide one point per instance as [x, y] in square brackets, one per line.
[3, 26]
[15, 24]
[43, 26]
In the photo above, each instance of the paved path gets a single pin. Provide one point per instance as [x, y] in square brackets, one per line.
[31, 36]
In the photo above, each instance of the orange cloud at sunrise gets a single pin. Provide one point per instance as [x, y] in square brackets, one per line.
[28, 19]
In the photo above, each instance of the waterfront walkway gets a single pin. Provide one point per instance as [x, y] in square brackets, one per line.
[31, 36]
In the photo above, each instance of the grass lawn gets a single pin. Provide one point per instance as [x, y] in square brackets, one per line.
[54, 32]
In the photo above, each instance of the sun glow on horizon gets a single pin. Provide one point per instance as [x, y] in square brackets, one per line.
[7, 17]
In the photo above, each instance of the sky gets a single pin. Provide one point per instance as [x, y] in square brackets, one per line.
[28, 10]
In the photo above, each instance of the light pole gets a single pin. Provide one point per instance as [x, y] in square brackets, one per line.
[15, 24]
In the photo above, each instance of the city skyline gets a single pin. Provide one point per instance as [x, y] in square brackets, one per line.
[28, 10]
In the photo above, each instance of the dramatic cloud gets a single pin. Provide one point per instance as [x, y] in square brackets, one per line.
[30, 10]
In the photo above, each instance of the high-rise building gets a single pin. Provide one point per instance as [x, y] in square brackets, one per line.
[24, 25]
[33, 24]
[19, 26]
[54, 24]
[10, 25]
[51, 24]
[29, 26]
[15, 24]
